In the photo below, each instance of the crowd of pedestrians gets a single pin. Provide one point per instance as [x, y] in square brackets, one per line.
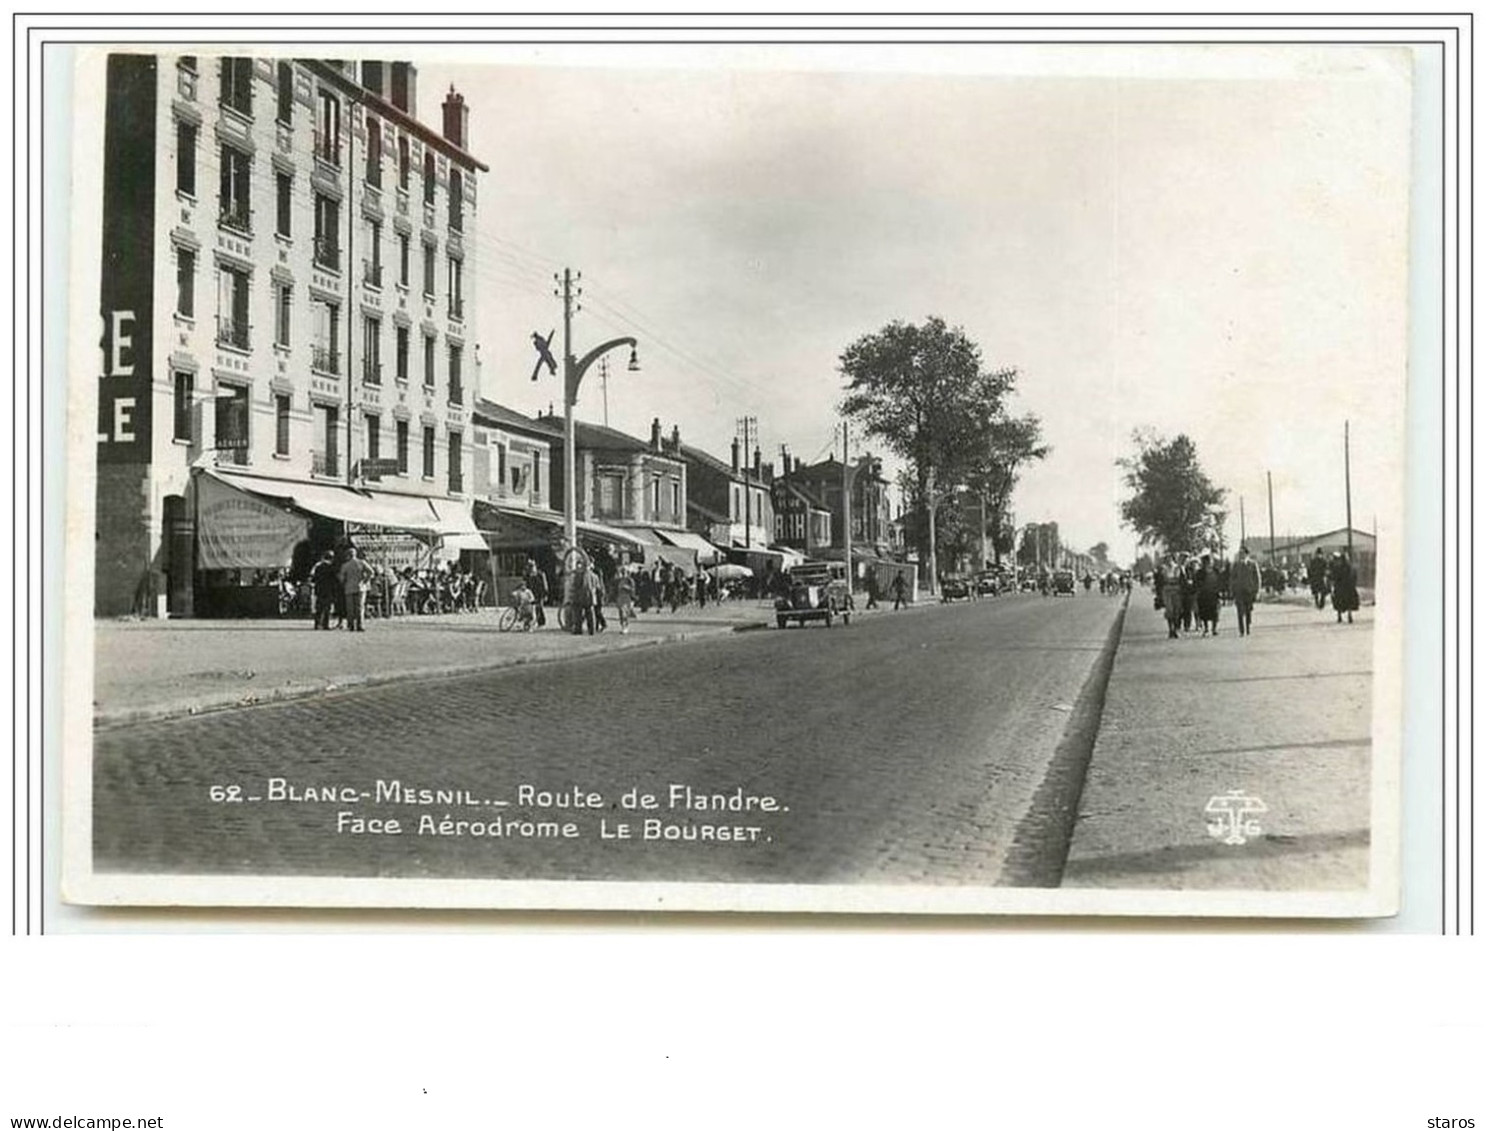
[1191, 589]
[345, 588]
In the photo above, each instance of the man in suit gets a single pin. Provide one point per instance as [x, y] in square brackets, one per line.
[355, 574]
[1243, 583]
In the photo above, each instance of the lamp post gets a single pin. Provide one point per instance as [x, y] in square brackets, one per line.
[572, 377]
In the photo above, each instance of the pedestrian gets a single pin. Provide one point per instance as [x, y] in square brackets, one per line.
[1206, 594]
[1171, 599]
[1315, 575]
[354, 576]
[1189, 593]
[1243, 582]
[536, 581]
[624, 600]
[323, 583]
[596, 592]
[1343, 579]
[871, 589]
[900, 591]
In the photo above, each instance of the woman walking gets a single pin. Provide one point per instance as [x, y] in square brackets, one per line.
[1207, 586]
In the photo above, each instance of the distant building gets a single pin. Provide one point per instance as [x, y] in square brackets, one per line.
[871, 517]
[1292, 550]
[288, 260]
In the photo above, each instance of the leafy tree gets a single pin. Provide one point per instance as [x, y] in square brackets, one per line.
[1099, 551]
[1174, 505]
[922, 390]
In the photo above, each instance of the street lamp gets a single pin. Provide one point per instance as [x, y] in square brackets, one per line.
[572, 376]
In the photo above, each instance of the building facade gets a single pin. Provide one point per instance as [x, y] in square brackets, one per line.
[288, 261]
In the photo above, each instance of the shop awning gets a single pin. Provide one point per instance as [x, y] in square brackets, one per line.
[623, 538]
[455, 519]
[413, 513]
[706, 552]
[676, 555]
[517, 528]
[236, 529]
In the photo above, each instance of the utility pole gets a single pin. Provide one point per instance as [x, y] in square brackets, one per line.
[1269, 482]
[846, 502]
[1242, 537]
[1347, 465]
[747, 425]
[604, 381]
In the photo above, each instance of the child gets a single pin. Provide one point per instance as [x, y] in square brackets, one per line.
[522, 601]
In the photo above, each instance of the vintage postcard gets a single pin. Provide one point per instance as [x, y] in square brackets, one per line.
[885, 478]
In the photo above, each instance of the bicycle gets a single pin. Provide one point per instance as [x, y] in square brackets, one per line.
[511, 616]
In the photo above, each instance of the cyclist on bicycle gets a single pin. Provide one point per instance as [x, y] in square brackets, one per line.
[524, 604]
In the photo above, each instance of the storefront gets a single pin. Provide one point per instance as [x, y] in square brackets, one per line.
[257, 537]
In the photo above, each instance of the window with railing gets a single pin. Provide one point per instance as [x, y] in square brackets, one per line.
[328, 129]
[401, 358]
[428, 452]
[456, 374]
[326, 463]
[237, 84]
[327, 232]
[456, 288]
[325, 460]
[232, 422]
[281, 424]
[185, 396]
[325, 358]
[372, 265]
[456, 462]
[232, 308]
[325, 344]
[371, 359]
[236, 175]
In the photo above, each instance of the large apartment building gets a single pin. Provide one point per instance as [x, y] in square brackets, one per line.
[288, 260]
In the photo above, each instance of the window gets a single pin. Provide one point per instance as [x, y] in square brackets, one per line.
[428, 261]
[185, 282]
[609, 492]
[185, 159]
[430, 175]
[456, 200]
[536, 478]
[654, 498]
[404, 162]
[456, 374]
[429, 379]
[402, 447]
[500, 467]
[402, 353]
[327, 232]
[237, 172]
[374, 262]
[456, 462]
[456, 289]
[373, 436]
[232, 422]
[281, 424]
[371, 339]
[325, 345]
[326, 461]
[284, 188]
[676, 500]
[737, 502]
[283, 303]
[185, 395]
[404, 256]
[286, 93]
[374, 153]
[232, 308]
[328, 129]
[371, 76]
[428, 452]
[237, 84]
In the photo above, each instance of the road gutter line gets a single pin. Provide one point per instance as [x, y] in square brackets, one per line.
[1039, 849]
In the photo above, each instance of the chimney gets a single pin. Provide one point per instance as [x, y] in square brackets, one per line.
[676, 439]
[735, 455]
[456, 118]
[758, 461]
[655, 434]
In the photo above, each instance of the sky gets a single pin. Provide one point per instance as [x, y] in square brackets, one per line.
[1209, 241]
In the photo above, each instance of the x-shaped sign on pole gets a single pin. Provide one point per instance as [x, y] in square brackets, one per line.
[544, 353]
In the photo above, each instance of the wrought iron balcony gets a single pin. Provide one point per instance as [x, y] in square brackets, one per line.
[456, 394]
[236, 218]
[371, 371]
[326, 359]
[328, 150]
[373, 273]
[232, 333]
[327, 253]
[324, 463]
[456, 309]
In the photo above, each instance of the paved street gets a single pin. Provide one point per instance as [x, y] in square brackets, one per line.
[906, 748]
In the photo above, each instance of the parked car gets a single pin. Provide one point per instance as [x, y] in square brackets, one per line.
[954, 589]
[988, 584]
[1063, 582]
[814, 591]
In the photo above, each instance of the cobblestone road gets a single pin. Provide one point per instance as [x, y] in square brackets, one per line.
[905, 748]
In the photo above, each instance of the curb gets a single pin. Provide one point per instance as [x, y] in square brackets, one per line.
[1039, 848]
[132, 716]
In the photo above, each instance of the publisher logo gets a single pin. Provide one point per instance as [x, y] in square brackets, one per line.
[1230, 816]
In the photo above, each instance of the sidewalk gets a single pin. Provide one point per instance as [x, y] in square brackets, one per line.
[152, 668]
[1283, 716]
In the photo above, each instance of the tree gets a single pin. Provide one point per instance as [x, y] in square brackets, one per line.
[923, 392]
[1174, 506]
[1099, 551]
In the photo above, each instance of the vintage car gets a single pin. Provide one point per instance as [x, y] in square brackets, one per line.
[988, 584]
[815, 591]
[1063, 582]
[954, 589]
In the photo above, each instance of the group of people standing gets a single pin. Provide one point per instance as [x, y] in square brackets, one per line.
[1192, 589]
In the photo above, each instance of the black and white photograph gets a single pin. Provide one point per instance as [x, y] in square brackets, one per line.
[775, 478]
